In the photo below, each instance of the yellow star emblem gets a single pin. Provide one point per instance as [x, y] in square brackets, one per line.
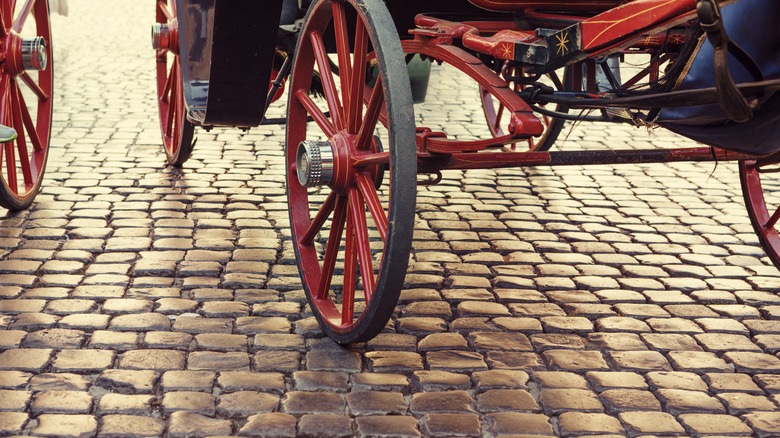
[563, 40]
[506, 51]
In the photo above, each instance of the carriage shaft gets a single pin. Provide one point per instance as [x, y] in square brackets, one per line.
[429, 163]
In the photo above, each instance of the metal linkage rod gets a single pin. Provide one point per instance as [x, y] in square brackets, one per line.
[485, 160]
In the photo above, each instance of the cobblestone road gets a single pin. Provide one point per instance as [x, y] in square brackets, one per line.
[143, 301]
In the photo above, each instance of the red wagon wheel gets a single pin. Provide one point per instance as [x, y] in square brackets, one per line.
[351, 183]
[762, 199]
[494, 112]
[26, 88]
[177, 131]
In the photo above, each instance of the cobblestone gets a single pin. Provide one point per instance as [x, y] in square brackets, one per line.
[13, 423]
[128, 404]
[578, 423]
[127, 381]
[387, 426]
[505, 423]
[190, 424]
[651, 423]
[119, 425]
[714, 424]
[61, 382]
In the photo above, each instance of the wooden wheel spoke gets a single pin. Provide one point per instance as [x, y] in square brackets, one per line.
[499, 114]
[10, 166]
[356, 87]
[350, 271]
[546, 121]
[7, 10]
[5, 108]
[363, 245]
[373, 111]
[319, 117]
[23, 14]
[34, 87]
[332, 247]
[373, 203]
[328, 84]
[556, 80]
[21, 143]
[770, 224]
[5, 99]
[173, 102]
[32, 133]
[8, 148]
[364, 160]
[319, 220]
[169, 81]
[164, 9]
[3, 27]
[342, 49]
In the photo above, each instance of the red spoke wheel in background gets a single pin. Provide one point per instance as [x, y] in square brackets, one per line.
[351, 174]
[762, 200]
[498, 117]
[26, 84]
[177, 131]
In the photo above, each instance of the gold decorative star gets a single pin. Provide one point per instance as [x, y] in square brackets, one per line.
[563, 40]
[506, 51]
[677, 39]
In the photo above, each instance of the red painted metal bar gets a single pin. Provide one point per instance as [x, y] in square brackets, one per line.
[429, 163]
[498, 38]
[546, 5]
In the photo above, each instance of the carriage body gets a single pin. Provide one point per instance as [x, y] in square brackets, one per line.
[227, 50]
[227, 53]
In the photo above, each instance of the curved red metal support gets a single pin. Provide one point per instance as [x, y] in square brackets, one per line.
[523, 121]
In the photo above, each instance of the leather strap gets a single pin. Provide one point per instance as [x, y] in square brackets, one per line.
[730, 99]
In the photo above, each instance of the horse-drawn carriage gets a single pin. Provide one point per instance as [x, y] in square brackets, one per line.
[354, 151]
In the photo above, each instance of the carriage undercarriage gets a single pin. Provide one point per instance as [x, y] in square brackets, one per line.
[354, 154]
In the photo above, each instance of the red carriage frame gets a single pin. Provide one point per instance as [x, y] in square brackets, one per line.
[351, 186]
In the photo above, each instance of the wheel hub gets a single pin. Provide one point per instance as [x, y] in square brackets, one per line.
[34, 54]
[164, 36]
[315, 163]
[25, 54]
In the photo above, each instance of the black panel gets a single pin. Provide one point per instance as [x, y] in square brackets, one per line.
[244, 40]
[404, 11]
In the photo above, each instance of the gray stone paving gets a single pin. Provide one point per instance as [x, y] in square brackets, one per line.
[142, 301]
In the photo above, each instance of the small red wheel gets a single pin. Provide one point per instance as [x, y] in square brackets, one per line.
[763, 206]
[494, 112]
[26, 85]
[177, 131]
[351, 184]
